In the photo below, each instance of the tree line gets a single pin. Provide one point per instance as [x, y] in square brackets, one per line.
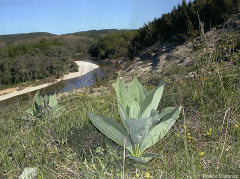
[184, 20]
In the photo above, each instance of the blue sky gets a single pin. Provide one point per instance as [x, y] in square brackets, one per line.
[67, 16]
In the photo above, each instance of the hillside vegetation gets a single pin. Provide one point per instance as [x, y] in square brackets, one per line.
[43, 58]
[185, 22]
[34, 56]
[113, 45]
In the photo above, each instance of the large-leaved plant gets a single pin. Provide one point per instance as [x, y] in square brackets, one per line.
[142, 125]
[46, 105]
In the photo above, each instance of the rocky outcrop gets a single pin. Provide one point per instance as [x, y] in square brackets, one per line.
[160, 57]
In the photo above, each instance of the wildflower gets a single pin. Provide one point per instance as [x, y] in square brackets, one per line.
[236, 126]
[149, 87]
[189, 137]
[147, 175]
[177, 135]
[201, 154]
[185, 127]
[209, 131]
[102, 101]
[137, 175]
[93, 165]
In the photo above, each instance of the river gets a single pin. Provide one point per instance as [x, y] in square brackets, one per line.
[88, 74]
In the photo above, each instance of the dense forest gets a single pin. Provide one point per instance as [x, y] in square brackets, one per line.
[113, 45]
[34, 60]
[183, 21]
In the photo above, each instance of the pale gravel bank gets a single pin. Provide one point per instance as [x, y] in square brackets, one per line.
[84, 67]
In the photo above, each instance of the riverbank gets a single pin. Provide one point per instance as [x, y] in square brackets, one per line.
[84, 67]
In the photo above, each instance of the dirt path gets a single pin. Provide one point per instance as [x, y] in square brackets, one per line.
[84, 67]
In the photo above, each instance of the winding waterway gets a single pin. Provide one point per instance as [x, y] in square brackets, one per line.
[89, 72]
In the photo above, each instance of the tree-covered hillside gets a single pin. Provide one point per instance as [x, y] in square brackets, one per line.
[23, 62]
[27, 57]
[183, 21]
[14, 37]
[113, 45]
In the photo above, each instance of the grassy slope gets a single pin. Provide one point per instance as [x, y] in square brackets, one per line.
[68, 146]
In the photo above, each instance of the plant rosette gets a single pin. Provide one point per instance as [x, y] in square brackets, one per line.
[142, 126]
[44, 105]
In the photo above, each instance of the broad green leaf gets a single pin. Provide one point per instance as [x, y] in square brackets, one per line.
[136, 92]
[144, 158]
[38, 102]
[111, 129]
[28, 173]
[156, 117]
[46, 101]
[138, 128]
[134, 110]
[152, 100]
[37, 97]
[121, 93]
[53, 100]
[123, 115]
[169, 116]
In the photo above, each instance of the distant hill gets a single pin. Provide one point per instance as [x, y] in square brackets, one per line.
[97, 33]
[90, 33]
[103, 31]
[14, 37]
